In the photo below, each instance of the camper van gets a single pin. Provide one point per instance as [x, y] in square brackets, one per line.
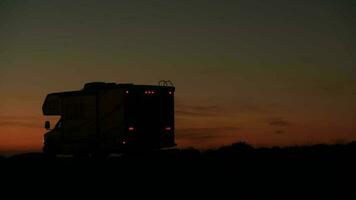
[110, 118]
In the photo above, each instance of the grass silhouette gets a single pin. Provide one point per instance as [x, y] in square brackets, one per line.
[237, 152]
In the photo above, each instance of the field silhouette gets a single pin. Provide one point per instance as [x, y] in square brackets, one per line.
[239, 166]
[237, 153]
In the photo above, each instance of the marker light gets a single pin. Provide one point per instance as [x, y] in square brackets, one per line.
[150, 92]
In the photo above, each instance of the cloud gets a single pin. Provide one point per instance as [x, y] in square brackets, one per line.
[222, 111]
[279, 122]
[19, 121]
[204, 133]
[333, 89]
[279, 132]
[255, 109]
[19, 124]
[191, 113]
[338, 89]
[13, 118]
[185, 110]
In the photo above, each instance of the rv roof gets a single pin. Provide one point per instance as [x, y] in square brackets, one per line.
[90, 88]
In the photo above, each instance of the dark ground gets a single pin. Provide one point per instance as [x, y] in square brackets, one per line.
[238, 155]
[230, 170]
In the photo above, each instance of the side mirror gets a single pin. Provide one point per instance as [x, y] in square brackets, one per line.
[47, 125]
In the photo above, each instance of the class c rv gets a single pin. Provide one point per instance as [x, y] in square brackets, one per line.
[110, 118]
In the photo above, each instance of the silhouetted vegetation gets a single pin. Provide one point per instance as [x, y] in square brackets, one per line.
[238, 152]
[239, 162]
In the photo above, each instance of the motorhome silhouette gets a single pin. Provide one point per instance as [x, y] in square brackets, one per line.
[108, 118]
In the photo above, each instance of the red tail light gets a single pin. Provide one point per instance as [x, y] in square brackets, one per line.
[131, 128]
[168, 128]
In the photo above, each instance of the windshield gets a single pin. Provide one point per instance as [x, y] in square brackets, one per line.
[59, 124]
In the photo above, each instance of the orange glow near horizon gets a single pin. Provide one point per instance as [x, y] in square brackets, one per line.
[202, 132]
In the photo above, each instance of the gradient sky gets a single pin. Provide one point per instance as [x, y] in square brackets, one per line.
[266, 72]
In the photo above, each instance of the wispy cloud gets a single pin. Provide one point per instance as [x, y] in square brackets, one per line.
[205, 133]
[185, 113]
[279, 132]
[19, 121]
[19, 124]
[279, 122]
[226, 110]
[338, 88]
[185, 110]
[5, 117]
[255, 109]
[333, 89]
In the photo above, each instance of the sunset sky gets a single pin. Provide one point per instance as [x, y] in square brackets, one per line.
[266, 72]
